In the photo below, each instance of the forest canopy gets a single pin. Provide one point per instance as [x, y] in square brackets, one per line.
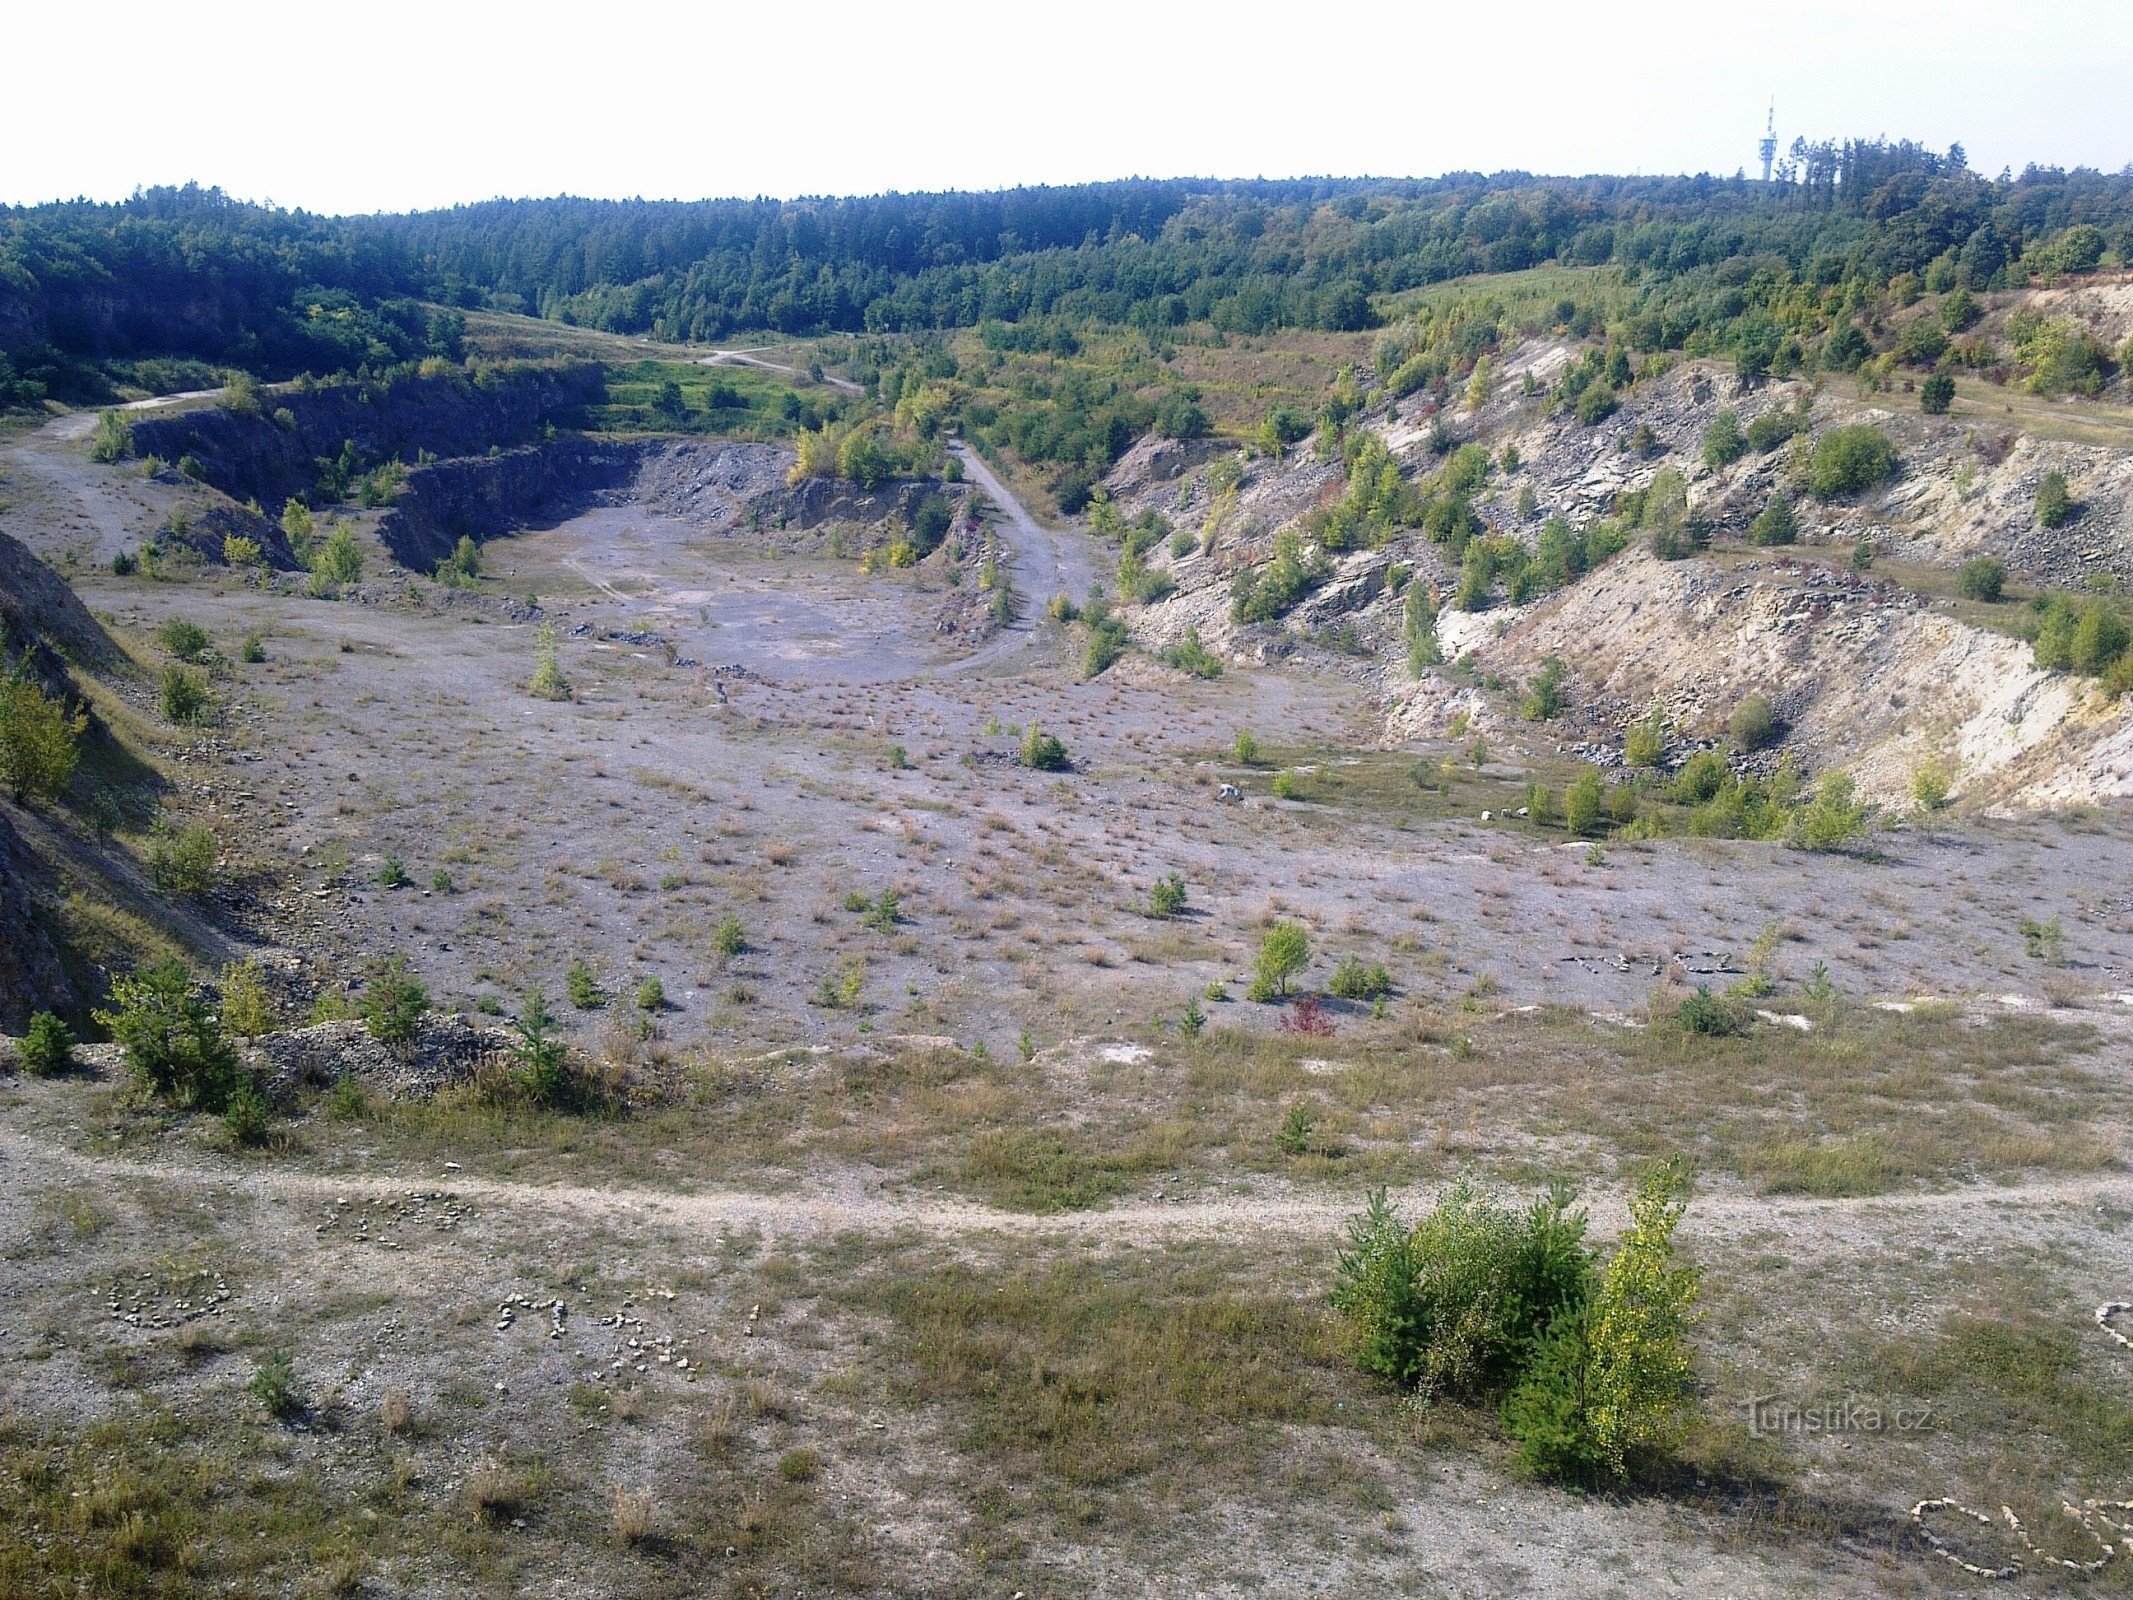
[89, 291]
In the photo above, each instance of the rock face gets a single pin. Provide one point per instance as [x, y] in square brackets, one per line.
[481, 497]
[37, 608]
[32, 977]
[275, 455]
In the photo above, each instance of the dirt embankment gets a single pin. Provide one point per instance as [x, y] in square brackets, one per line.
[483, 497]
[276, 454]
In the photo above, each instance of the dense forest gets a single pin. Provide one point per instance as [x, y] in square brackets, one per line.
[141, 291]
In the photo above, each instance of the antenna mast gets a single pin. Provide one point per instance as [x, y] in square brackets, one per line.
[1767, 146]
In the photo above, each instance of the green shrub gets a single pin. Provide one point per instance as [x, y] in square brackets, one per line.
[729, 939]
[40, 739]
[252, 651]
[548, 682]
[112, 440]
[246, 1116]
[651, 996]
[1453, 1305]
[1981, 578]
[183, 697]
[1106, 642]
[172, 1036]
[1645, 746]
[1283, 953]
[1190, 655]
[1772, 429]
[1936, 394]
[1246, 750]
[2043, 941]
[47, 1050]
[273, 1383]
[1723, 442]
[540, 1060]
[1042, 752]
[247, 1009]
[339, 559]
[1354, 981]
[1595, 404]
[1167, 897]
[1608, 1384]
[1835, 818]
[583, 988]
[184, 861]
[884, 912]
[1583, 801]
[2055, 505]
[1544, 695]
[2086, 636]
[393, 1003]
[1775, 524]
[1714, 1016]
[1849, 460]
[1754, 723]
[392, 872]
[184, 639]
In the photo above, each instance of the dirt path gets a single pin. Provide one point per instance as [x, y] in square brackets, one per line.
[1046, 562]
[749, 358]
[856, 1207]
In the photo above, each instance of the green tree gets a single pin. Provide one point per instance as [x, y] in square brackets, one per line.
[1583, 802]
[1544, 695]
[1167, 897]
[1849, 460]
[1835, 817]
[1723, 442]
[548, 682]
[47, 1049]
[1609, 1380]
[393, 1003]
[183, 696]
[112, 440]
[1981, 578]
[2055, 506]
[1283, 953]
[1754, 723]
[1042, 752]
[172, 1036]
[1645, 747]
[40, 739]
[340, 558]
[1936, 394]
[1775, 523]
[540, 1059]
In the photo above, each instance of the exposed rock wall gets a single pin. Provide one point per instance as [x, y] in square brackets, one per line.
[275, 455]
[482, 497]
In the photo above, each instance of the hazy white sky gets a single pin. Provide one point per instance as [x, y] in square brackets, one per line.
[394, 105]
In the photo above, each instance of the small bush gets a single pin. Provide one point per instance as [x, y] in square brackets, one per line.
[112, 440]
[1283, 953]
[1754, 723]
[186, 640]
[1246, 750]
[2043, 941]
[582, 987]
[246, 1116]
[540, 1060]
[1849, 460]
[1713, 1016]
[651, 996]
[183, 697]
[1772, 429]
[172, 1037]
[1167, 897]
[393, 1003]
[40, 739]
[548, 682]
[729, 939]
[47, 1050]
[1936, 394]
[1834, 818]
[252, 651]
[273, 1383]
[1609, 1379]
[184, 861]
[247, 1010]
[2055, 505]
[1775, 524]
[392, 872]
[1931, 784]
[1544, 695]
[1583, 802]
[1981, 578]
[799, 1466]
[1042, 752]
[1190, 655]
[1354, 981]
[1723, 442]
[1454, 1304]
[1645, 747]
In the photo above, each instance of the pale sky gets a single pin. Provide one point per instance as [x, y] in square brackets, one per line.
[394, 105]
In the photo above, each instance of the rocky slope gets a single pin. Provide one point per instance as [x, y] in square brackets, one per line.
[1867, 674]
